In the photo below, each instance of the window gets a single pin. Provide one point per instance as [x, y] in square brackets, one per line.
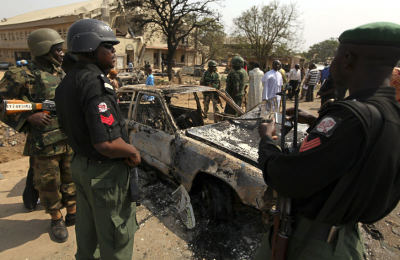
[152, 114]
[64, 33]
[183, 58]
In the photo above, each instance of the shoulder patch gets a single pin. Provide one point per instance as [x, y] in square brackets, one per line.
[307, 145]
[102, 107]
[326, 126]
[108, 120]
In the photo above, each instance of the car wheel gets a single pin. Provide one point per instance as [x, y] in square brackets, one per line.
[216, 200]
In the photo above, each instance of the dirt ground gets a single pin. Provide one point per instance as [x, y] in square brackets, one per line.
[25, 235]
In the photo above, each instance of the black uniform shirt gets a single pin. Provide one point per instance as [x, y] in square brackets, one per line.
[88, 110]
[330, 151]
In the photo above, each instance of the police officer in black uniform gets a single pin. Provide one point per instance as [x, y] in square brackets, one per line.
[90, 117]
[347, 169]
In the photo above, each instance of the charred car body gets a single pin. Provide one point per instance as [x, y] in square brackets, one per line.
[216, 158]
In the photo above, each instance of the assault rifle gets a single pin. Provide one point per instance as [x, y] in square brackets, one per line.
[282, 218]
[16, 106]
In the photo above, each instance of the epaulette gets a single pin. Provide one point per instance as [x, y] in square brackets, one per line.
[106, 83]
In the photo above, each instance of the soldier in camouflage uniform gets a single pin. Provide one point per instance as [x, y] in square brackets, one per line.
[235, 83]
[45, 143]
[211, 79]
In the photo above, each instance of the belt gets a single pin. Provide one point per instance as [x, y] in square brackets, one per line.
[96, 161]
[316, 230]
[105, 161]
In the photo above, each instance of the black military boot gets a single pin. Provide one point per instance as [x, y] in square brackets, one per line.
[59, 230]
[70, 219]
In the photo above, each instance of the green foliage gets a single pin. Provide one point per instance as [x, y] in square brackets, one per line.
[209, 41]
[267, 28]
[322, 51]
[175, 19]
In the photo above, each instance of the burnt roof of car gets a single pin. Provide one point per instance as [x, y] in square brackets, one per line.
[166, 89]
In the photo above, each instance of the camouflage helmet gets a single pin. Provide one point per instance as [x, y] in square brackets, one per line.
[212, 63]
[87, 34]
[237, 61]
[41, 40]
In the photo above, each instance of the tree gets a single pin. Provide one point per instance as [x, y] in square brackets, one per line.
[209, 41]
[322, 51]
[175, 19]
[266, 28]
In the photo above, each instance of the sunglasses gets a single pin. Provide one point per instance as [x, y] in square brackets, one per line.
[108, 46]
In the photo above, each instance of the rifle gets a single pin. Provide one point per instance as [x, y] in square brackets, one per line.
[16, 106]
[282, 213]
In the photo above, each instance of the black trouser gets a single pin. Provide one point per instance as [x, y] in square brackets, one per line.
[310, 93]
[293, 86]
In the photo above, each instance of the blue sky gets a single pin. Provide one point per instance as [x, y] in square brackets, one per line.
[321, 19]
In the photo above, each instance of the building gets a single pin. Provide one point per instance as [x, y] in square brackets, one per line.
[14, 32]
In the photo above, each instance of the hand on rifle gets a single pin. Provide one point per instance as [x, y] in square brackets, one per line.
[268, 129]
[304, 117]
[133, 160]
[39, 119]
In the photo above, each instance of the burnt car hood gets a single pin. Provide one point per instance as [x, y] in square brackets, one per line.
[239, 137]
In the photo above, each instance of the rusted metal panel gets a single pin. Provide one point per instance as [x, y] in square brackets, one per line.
[193, 157]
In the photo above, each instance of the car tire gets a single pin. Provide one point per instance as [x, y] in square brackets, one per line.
[216, 200]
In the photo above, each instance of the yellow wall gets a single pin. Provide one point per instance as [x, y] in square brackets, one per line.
[12, 41]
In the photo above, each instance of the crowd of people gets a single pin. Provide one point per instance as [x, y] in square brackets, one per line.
[345, 172]
[249, 88]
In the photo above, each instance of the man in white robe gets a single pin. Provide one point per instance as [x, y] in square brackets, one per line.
[256, 87]
[272, 82]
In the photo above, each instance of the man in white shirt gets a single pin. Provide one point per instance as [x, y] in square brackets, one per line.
[272, 82]
[294, 80]
[256, 87]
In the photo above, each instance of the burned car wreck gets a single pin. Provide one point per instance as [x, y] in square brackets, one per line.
[216, 157]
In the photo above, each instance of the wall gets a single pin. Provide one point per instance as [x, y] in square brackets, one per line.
[15, 40]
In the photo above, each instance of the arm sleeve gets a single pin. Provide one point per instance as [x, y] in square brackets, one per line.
[100, 112]
[13, 86]
[322, 161]
[265, 87]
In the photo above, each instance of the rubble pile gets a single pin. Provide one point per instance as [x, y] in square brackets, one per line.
[236, 239]
[10, 137]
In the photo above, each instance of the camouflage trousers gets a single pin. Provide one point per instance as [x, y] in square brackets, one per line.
[210, 97]
[53, 180]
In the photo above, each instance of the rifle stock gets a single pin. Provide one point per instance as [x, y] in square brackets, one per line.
[281, 245]
[16, 106]
[276, 222]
